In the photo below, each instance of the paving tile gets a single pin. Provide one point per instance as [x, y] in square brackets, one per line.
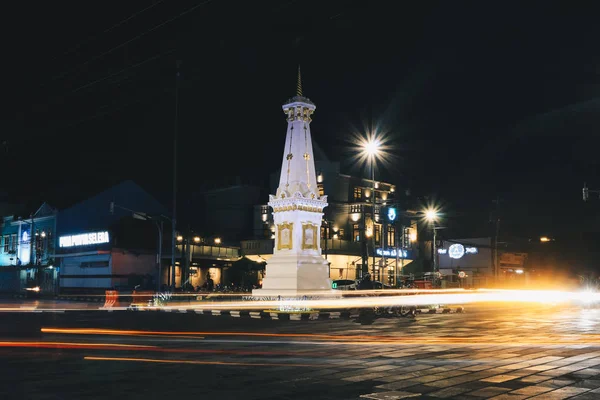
[488, 391]
[532, 390]
[562, 393]
[556, 383]
[389, 395]
[398, 385]
[499, 378]
[507, 396]
[588, 384]
[449, 392]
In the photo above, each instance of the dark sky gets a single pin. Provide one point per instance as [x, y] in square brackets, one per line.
[479, 99]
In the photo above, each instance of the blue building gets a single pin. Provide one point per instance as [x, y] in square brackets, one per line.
[27, 247]
[98, 248]
[86, 247]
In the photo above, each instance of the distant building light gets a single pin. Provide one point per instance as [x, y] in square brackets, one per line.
[197, 239]
[545, 239]
[320, 178]
[518, 271]
[264, 217]
[355, 217]
[217, 240]
[179, 238]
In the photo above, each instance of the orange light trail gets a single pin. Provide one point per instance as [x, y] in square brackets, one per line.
[225, 363]
[65, 345]
[348, 339]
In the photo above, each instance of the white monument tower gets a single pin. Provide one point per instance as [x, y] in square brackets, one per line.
[297, 267]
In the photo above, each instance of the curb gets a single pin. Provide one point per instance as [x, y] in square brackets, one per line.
[283, 316]
[445, 310]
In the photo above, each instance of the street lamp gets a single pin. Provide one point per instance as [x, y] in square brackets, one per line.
[431, 215]
[217, 240]
[158, 221]
[371, 149]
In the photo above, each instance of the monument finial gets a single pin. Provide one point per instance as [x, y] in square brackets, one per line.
[299, 84]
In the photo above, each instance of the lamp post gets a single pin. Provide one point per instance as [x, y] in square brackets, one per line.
[371, 148]
[431, 215]
[158, 222]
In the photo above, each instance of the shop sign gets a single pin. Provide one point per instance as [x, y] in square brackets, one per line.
[401, 253]
[84, 239]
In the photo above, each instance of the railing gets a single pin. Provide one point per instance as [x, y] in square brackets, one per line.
[215, 251]
[339, 246]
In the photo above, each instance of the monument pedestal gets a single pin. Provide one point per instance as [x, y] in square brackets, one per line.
[295, 276]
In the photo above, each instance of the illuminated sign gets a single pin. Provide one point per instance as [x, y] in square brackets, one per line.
[392, 253]
[85, 239]
[391, 213]
[457, 251]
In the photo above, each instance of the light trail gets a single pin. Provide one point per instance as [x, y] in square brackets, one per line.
[223, 363]
[367, 299]
[71, 345]
[343, 339]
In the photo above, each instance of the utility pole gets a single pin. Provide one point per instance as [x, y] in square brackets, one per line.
[174, 217]
[496, 235]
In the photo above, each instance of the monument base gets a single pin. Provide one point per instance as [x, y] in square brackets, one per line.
[296, 276]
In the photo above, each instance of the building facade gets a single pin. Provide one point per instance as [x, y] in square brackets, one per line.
[361, 231]
[27, 251]
[98, 248]
[466, 262]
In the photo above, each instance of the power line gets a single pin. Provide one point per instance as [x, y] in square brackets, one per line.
[109, 29]
[136, 37]
[123, 70]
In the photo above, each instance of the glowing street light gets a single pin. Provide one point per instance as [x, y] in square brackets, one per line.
[431, 215]
[371, 149]
[545, 239]
[217, 240]
[179, 238]
[196, 239]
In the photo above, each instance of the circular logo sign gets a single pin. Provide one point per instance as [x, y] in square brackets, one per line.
[456, 251]
[462, 274]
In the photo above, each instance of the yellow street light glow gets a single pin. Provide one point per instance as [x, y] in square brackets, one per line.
[196, 239]
[179, 238]
[217, 240]
[431, 215]
[371, 146]
[544, 239]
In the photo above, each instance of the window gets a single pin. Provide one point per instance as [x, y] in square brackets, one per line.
[355, 208]
[323, 234]
[377, 234]
[391, 236]
[94, 264]
[356, 232]
[321, 189]
[341, 233]
[13, 242]
[358, 193]
[6, 243]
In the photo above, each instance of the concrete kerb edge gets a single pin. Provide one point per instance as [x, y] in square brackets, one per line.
[283, 316]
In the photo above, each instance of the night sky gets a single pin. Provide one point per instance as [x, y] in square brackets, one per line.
[480, 100]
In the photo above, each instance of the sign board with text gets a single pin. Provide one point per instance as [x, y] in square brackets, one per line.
[84, 239]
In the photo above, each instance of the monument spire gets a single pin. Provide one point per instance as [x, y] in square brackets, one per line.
[299, 84]
[297, 266]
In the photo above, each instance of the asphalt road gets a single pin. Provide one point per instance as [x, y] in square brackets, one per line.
[499, 352]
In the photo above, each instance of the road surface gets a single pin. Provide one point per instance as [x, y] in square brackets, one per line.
[497, 352]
